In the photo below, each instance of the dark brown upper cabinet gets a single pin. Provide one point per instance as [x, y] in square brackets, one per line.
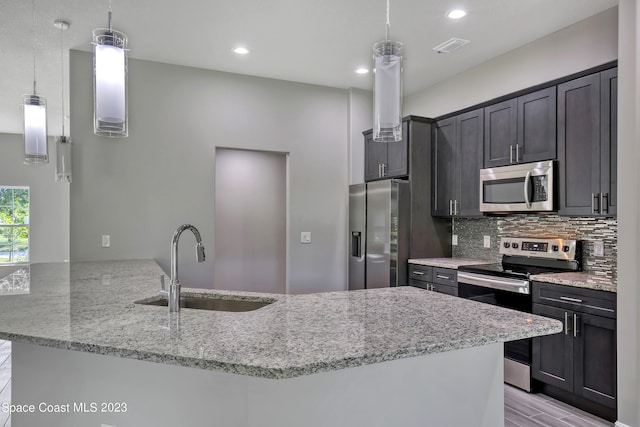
[456, 163]
[587, 145]
[521, 130]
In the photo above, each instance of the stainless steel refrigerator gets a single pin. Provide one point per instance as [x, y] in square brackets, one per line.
[379, 229]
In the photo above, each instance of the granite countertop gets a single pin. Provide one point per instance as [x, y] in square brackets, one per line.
[447, 262]
[579, 279]
[90, 307]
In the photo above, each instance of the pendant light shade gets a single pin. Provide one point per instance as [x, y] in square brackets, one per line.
[63, 159]
[110, 61]
[387, 91]
[35, 129]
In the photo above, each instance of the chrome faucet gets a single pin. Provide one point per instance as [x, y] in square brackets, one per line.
[174, 286]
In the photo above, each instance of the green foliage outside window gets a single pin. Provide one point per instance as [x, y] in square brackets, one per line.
[14, 225]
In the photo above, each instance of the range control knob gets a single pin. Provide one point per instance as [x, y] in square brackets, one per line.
[514, 246]
[507, 244]
[565, 249]
[555, 248]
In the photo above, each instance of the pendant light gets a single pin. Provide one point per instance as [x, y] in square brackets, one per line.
[387, 89]
[34, 114]
[63, 144]
[110, 61]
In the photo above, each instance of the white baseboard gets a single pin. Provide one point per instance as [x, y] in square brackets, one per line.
[619, 424]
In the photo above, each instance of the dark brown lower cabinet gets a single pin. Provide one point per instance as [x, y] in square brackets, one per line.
[580, 362]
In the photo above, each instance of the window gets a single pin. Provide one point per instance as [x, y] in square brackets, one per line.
[14, 225]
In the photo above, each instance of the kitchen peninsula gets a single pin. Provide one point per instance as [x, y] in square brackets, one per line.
[395, 356]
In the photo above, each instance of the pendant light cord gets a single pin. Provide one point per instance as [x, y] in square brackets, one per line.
[33, 21]
[109, 15]
[62, 72]
[388, 22]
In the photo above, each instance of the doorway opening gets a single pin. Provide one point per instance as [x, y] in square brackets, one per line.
[250, 220]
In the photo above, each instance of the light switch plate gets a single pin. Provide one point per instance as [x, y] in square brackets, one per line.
[106, 240]
[305, 237]
[454, 239]
[487, 241]
[598, 248]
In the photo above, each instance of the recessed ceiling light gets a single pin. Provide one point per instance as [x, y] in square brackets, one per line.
[241, 50]
[362, 70]
[456, 14]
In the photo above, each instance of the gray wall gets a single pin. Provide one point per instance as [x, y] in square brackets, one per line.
[139, 189]
[251, 221]
[49, 216]
[628, 216]
[578, 47]
[360, 119]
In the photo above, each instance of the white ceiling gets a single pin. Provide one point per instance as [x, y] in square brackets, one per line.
[318, 42]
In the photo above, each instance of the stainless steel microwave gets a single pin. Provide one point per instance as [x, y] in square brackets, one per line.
[526, 187]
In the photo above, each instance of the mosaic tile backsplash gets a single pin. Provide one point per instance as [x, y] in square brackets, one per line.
[471, 232]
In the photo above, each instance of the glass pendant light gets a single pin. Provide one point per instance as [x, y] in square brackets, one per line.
[63, 144]
[387, 89]
[34, 114]
[110, 61]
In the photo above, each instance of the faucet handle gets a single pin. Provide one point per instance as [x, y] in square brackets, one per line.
[200, 252]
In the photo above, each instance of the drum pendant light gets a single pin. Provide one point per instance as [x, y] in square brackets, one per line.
[34, 114]
[63, 144]
[110, 62]
[387, 89]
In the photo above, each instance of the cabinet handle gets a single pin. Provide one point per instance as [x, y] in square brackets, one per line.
[511, 153]
[431, 287]
[593, 206]
[451, 207]
[604, 207]
[384, 173]
[440, 276]
[418, 273]
[455, 207]
[566, 323]
[379, 170]
[575, 325]
[570, 299]
[517, 153]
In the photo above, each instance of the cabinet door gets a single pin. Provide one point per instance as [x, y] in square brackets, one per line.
[443, 167]
[446, 289]
[595, 359]
[609, 141]
[500, 133]
[537, 126]
[552, 355]
[579, 145]
[470, 132]
[375, 154]
[397, 159]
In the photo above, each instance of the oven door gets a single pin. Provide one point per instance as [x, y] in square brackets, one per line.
[517, 353]
[519, 188]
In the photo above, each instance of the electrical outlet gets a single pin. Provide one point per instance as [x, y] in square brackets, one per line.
[598, 248]
[454, 239]
[106, 240]
[487, 241]
[305, 237]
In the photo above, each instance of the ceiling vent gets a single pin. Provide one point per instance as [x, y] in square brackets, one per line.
[450, 45]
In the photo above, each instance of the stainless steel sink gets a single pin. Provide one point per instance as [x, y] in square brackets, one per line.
[216, 304]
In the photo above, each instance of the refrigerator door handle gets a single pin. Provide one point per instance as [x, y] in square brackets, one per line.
[356, 246]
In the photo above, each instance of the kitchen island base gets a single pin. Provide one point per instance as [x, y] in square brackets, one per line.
[461, 387]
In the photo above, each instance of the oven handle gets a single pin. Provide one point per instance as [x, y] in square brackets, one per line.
[526, 190]
[494, 282]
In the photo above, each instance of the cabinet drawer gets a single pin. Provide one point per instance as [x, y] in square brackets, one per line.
[445, 276]
[420, 272]
[446, 289]
[600, 303]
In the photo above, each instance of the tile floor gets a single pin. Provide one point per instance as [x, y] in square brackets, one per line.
[523, 409]
[520, 409]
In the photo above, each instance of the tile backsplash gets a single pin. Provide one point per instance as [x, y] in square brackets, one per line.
[471, 232]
